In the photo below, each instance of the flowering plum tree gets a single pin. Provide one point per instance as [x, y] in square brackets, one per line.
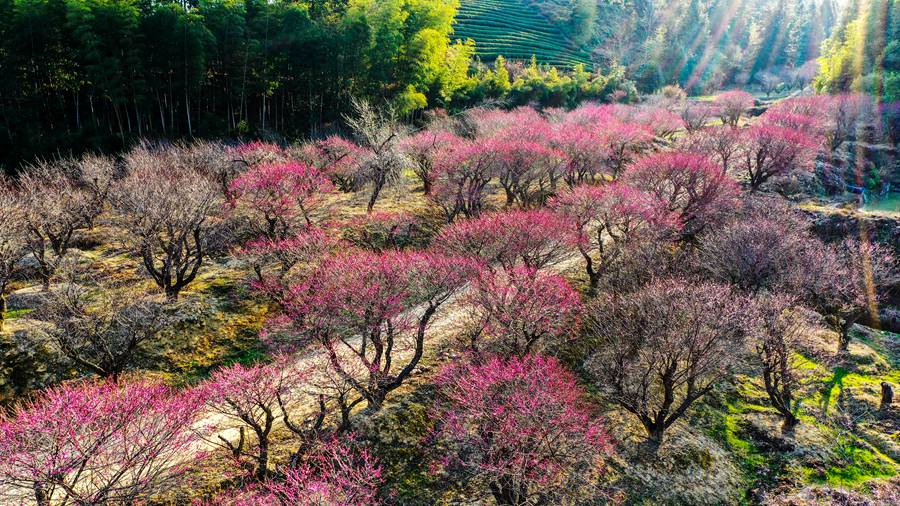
[255, 153]
[845, 282]
[462, 178]
[276, 195]
[422, 149]
[655, 368]
[378, 131]
[332, 471]
[368, 312]
[55, 209]
[720, 143]
[520, 424]
[809, 125]
[523, 123]
[337, 158]
[527, 170]
[96, 443]
[609, 220]
[756, 251]
[305, 249]
[773, 151]
[696, 114]
[691, 185]
[585, 152]
[732, 105]
[254, 396]
[167, 212]
[663, 123]
[777, 329]
[522, 311]
[534, 239]
[99, 329]
[623, 141]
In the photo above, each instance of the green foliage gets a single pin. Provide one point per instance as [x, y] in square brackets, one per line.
[546, 85]
[864, 53]
[98, 74]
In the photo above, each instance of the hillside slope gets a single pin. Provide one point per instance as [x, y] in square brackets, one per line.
[517, 32]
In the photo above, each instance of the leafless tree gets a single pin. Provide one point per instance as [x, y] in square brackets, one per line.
[663, 347]
[769, 81]
[167, 209]
[56, 208]
[778, 327]
[97, 327]
[95, 175]
[13, 238]
[378, 131]
[210, 158]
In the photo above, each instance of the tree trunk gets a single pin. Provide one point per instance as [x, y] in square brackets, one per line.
[2, 311]
[844, 340]
[262, 460]
[40, 496]
[506, 494]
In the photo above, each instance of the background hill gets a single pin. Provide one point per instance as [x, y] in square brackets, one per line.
[517, 31]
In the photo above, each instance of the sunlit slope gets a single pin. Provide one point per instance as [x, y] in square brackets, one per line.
[516, 31]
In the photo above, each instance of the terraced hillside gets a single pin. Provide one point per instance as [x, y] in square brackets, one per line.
[516, 31]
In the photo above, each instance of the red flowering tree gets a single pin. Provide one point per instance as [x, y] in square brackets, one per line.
[691, 186]
[253, 397]
[663, 347]
[332, 471]
[520, 427]
[462, 178]
[732, 105]
[610, 220]
[774, 151]
[720, 143]
[522, 311]
[809, 125]
[96, 443]
[305, 250]
[527, 170]
[422, 149]
[534, 239]
[337, 158]
[696, 114]
[369, 313]
[663, 123]
[838, 117]
[585, 152]
[277, 195]
[520, 123]
[623, 141]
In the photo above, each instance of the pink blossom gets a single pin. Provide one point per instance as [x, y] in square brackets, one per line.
[732, 105]
[610, 220]
[523, 310]
[278, 194]
[96, 442]
[521, 425]
[691, 185]
[535, 239]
